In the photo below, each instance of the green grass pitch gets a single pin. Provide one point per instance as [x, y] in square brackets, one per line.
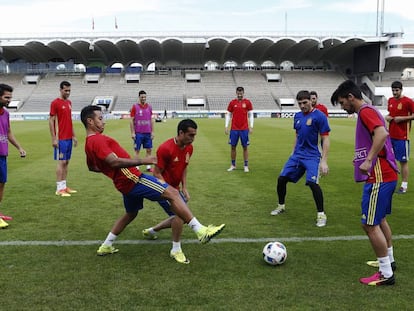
[48, 254]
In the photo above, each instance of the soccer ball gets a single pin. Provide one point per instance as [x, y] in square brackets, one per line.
[274, 253]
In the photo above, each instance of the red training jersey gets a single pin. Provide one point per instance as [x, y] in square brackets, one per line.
[62, 109]
[173, 160]
[322, 108]
[403, 106]
[97, 148]
[239, 110]
[382, 172]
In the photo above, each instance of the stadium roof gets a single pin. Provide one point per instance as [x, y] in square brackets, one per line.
[182, 49]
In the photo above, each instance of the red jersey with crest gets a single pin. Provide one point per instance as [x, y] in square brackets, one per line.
[322, 108]
[239, 110]
[97, 148]
[173, 160]
[403, 106]
[62, 109]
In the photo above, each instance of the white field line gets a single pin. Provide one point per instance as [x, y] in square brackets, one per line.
[226, 240]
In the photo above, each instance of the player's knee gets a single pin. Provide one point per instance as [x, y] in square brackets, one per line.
[282, 180]
[313, 186]
[171, 193]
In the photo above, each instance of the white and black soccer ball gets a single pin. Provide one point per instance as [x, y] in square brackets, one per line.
[274, 253]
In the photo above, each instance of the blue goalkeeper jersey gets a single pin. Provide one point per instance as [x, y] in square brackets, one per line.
[308, 129]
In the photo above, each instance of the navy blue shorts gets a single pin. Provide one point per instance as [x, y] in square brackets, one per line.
[3, 169]
[147, 187]
[64, 151]
[243, 135]
[296, 167]
[143, 139]
[401, 149]
[376, 202]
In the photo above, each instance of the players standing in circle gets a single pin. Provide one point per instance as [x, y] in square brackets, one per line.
[315, 104]
[105, 155]
[173, 157]
[374, 164]
[63, 137]
[6, 136]
[401, 112]
[142, 126]
[240, 112]
[309, 124]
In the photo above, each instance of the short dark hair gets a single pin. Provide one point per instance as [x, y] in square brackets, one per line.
[88, 112]
[5, 88]
[141, 92]
[239, 88]
[344, 89]
[63, 84]
[396, 85]
[303, 95]
[185, 124]
[313, 93]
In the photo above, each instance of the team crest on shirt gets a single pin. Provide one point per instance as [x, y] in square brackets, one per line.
[309, 122]
[176, 159]
[243, 105]
[399, 107]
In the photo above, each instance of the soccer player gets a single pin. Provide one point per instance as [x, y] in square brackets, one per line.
[6, 136]
[374, 164]
[173, 157]
[105, 155]
[319, 106]
[240, 112]
[63, 137]
[142, 125]
[309, 124]
[400, 110]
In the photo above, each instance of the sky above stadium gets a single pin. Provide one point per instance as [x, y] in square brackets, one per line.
[322, 17]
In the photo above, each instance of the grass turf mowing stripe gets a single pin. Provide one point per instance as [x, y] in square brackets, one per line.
[226, 240]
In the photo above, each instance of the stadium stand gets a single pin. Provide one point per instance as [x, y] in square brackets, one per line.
[175, 72]
[22, 91]
[163, 92]
[31, 79]
[323, 82]
[173, 91]
[256, 89]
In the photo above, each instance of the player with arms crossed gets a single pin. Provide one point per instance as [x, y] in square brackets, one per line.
[374, 164]
[105, 155]
[173, 157]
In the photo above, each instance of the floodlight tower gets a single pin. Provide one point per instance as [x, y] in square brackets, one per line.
[380, 17]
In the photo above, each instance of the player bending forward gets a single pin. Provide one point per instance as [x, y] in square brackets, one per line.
[105, 155]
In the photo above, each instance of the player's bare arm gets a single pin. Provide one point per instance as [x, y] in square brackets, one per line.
[113, 161]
